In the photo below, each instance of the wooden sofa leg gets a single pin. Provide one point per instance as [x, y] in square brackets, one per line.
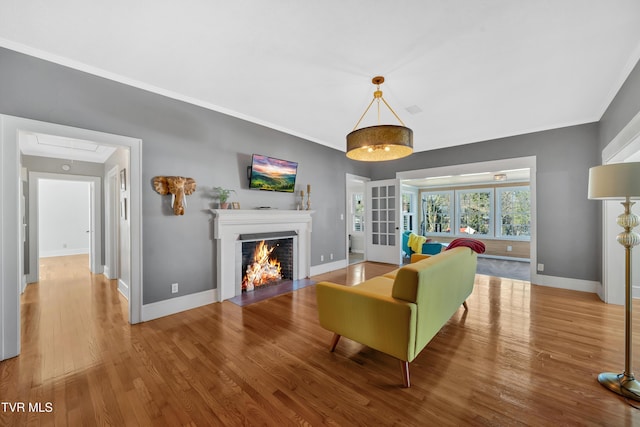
[404, 366]
[466, 307]
[334, 341]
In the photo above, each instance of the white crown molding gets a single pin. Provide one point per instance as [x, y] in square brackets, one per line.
[622, 146]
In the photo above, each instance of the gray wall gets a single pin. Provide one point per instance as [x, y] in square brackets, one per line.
[181, 139]
[622, 109]
[214, 149]
[567, 221]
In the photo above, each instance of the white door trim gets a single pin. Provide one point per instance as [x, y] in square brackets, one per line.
[625, 145]
[111, 224]
[11, 263]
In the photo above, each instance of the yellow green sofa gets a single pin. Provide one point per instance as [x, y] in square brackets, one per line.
[400, 312]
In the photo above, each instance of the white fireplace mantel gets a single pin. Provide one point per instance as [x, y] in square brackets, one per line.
[229, 224]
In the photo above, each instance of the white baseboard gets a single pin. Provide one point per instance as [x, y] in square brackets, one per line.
[107, 272]
[176, 305]
[123, 288]
[325, 268]
[566, 283]
[64, 252]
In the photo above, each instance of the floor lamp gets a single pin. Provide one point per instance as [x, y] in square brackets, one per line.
[621, 181]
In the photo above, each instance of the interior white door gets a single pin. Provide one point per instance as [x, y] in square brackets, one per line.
[383, 221]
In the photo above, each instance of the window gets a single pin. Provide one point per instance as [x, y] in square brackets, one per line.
[514, 212]
[499, 212]
[437, 211]
[357, 211]
[408, 211]
[475, 209]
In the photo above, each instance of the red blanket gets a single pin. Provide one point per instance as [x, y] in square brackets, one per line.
[475, 245]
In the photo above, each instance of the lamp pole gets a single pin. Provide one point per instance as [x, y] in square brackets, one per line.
[625, 383]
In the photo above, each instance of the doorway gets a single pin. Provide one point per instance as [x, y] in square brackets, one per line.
[356, 218]
[11, 254]
[36, 182]
[441, 177]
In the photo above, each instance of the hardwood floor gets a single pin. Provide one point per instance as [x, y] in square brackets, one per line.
[521, 355]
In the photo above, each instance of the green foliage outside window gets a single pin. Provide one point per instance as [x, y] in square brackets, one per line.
[475, 212]
[515, 212]
[436, 212]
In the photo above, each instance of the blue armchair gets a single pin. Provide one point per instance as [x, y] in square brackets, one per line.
[428, 248]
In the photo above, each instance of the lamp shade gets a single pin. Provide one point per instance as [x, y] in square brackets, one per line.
[379, 143]
[615, 181]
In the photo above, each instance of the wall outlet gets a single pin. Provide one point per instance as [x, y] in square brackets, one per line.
[321, 258]
[341, 217]
[330, 256]
[540, 267]
[174, 288]
[509, 248]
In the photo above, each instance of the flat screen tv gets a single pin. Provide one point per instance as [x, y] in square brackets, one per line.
[272, 174]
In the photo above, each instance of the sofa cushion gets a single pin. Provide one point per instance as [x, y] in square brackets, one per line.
[407, 279]
[405, 285]
[379, 285]
[414, 258]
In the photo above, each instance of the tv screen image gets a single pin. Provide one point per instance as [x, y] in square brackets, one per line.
[272, 174]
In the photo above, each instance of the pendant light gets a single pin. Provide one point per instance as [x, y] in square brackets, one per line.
[380, 142]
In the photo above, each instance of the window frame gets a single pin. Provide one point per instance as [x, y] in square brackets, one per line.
[498, 215]
[409, 215]
[491, 220]
[452, 212]
[354, 215]
[495, 220]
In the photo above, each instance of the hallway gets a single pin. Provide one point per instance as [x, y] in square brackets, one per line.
[61, 315]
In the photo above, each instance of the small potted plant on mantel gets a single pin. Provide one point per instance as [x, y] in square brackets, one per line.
[223, 195]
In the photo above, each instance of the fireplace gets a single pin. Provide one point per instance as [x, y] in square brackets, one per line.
[232, 227]
[267, 259]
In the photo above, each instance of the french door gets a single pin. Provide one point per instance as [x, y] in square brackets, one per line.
[384, 243]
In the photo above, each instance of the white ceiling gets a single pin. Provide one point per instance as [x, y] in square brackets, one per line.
[475, 69]
[43, 145]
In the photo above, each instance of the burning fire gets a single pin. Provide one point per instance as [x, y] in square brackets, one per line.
[263, 269]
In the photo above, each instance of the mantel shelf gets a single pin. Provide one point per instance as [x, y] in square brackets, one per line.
[226, 212]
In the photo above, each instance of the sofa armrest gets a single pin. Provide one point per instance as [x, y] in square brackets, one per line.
[419, 257]
[377, 321]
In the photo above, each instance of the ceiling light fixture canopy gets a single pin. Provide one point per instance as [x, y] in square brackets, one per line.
[380, 142]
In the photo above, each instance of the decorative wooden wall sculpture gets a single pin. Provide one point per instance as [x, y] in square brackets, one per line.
[178, 186]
